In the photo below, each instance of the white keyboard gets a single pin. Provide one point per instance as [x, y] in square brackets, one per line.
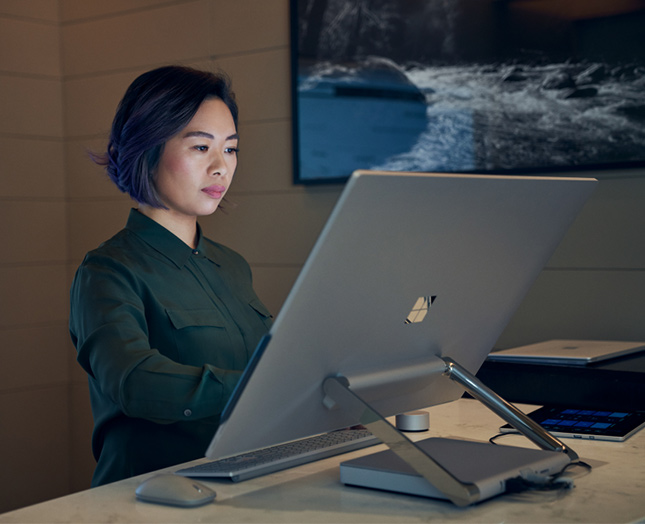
[283, 456]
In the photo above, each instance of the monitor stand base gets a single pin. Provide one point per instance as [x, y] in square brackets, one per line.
[338, 390]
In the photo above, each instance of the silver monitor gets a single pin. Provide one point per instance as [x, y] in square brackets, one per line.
[413, 278]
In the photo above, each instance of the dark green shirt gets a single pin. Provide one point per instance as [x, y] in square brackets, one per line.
[164, 332]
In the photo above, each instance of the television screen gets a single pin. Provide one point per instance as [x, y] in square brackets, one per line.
[514, 86]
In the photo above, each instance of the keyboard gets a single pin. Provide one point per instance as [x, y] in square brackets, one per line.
[283, 456]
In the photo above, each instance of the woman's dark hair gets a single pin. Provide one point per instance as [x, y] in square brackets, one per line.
[156, 106]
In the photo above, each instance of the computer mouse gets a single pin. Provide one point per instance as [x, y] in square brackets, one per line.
[174, 490]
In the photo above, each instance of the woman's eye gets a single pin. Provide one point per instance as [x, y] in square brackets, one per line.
[201, 148]
[232, 150]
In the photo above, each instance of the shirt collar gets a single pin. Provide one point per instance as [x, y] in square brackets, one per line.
[165, 242]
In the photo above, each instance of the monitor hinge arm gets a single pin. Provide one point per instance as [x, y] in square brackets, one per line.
[338, 390]
[520, 421]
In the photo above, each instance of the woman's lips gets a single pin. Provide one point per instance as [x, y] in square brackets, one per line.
[214, 191]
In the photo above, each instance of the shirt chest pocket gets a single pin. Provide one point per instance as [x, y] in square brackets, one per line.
[201, 336]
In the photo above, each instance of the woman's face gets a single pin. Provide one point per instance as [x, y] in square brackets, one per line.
[197, 164]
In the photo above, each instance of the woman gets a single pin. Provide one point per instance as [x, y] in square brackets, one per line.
[164, 320]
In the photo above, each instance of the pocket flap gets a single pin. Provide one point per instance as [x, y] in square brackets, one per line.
[182, 318]
[260, 308]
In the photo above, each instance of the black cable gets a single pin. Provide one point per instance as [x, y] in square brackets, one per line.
[495, 437]
[554, 482]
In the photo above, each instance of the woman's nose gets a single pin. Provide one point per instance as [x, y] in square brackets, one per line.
[217, 166]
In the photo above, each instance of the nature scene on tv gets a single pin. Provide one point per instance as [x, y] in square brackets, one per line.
[468, 85]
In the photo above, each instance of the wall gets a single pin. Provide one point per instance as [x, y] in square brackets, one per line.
[593, 285]
[64, 64]
[34, 346]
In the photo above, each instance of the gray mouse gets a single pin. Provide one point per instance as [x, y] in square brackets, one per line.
[174, 490]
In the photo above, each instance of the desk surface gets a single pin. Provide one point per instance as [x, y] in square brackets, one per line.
[612, 492]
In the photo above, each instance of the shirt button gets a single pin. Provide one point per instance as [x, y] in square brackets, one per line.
[187, 412]
[195, 252]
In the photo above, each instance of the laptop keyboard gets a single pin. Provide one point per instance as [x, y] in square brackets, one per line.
[283, 456]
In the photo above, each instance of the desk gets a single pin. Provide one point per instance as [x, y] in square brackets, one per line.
[612, 492]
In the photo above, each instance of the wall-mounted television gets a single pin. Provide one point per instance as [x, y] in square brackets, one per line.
[498, 86]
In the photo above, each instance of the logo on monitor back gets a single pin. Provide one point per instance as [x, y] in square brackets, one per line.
[420, 309]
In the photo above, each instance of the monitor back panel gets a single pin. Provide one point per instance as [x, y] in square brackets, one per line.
[409, 266]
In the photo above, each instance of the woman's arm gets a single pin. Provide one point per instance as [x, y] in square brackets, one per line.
[109, 327]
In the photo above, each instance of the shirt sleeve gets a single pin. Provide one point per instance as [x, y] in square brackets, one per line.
[108, 325]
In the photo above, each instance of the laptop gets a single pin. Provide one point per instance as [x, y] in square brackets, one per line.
[583, 423]
[567, 352]
[410, 269]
